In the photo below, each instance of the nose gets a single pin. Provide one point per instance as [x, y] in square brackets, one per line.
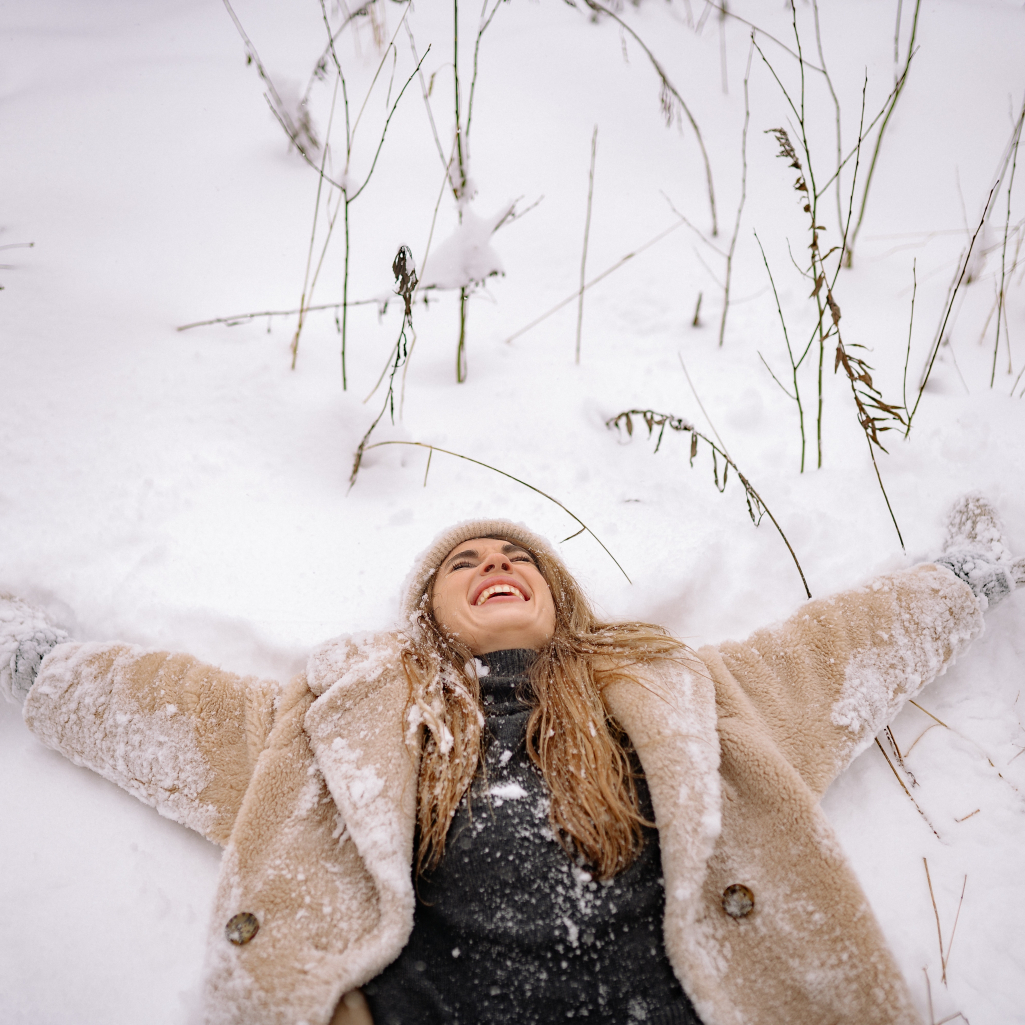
[496, 563]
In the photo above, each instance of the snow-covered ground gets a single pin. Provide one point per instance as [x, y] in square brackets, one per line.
[190, 490]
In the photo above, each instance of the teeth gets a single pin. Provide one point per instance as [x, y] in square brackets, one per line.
[498, 589]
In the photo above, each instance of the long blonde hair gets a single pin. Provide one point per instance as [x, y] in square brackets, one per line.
[571, 737]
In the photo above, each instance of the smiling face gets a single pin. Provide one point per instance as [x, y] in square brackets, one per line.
[489, 594]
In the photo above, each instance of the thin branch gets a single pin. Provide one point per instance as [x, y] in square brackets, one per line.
[938, 340]
[928, 713]
[487, 466]
[484, 24]
[911, 324]
[790, 353]
[667, 88]
[756, 507]
[751, 25]
[836, 107]
[313, 230]
[906, 791]
[384, 132]
[240, 318]
[1016, 137]
[743, 196]
[587, 232]
[594, 281]
[898, 89]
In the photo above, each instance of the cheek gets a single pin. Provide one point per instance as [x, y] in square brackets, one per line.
[445, 610]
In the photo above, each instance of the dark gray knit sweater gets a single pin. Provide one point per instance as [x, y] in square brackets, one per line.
[507, 928]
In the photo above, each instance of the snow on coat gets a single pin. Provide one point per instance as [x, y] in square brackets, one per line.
[311, 789]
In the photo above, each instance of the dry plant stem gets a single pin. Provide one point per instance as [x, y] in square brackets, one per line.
[348, 195]
[463, 156]
[313, 230]
[294, 132]
[944, 955]
[873, 413]
[696, 322]
[669, 93]
[406, 282]
[911, 324]
[485, 21]
[794, 364]
[544, 494]
[836, 107]
[587, 232]
[722, 50]
[903, 786]
[894, 97]
[675, 423]
[240, 318]
[743, 197]
[594, 281]
[914, 743]
[459, 123]
[701, 405]
[1003, 250]
[928, 713]
[896, 44]
[721, 8]
[952, 295]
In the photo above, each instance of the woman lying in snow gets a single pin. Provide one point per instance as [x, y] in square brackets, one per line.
[509, 811]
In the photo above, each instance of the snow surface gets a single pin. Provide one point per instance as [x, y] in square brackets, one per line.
[190, 490]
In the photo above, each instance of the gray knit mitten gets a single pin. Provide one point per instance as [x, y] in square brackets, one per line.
[975, 550]
[27, 634]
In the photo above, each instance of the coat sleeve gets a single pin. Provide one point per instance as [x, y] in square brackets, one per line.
[180, 735]
[823, 683]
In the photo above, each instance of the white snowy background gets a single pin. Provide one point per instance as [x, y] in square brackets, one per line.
[190, 490]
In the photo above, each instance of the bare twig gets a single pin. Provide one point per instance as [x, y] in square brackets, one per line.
[594, 281]
[944, 956]
[669, 94]
[240, 318]
[300, 134]
[756, 508]
[794, 364]
[743, 197]
[903, 787]
[1016, 139]
[721, 8]
[928, 713]
[495, 469]
[895, 96]
[914, 743]
[938, 340]
[587, 231]
[313, 230]
[911, 324]
[405, 287]
[836, 108]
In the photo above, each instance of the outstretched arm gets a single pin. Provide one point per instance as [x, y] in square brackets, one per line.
[180, 735]
[823, 683]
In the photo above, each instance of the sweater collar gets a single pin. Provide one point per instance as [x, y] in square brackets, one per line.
[509, 662]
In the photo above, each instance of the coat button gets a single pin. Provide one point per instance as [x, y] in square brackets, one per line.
[738, 901]
[242, 928]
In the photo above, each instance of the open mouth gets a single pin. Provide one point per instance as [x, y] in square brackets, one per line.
[500, 592]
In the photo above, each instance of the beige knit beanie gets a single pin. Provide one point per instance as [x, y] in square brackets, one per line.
[428, 561]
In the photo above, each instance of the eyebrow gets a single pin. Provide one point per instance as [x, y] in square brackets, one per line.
[472, 553]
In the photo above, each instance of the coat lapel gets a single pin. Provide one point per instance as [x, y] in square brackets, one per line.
[359, 739]
[671, 721]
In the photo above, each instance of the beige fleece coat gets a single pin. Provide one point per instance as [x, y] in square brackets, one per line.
[311, 790]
